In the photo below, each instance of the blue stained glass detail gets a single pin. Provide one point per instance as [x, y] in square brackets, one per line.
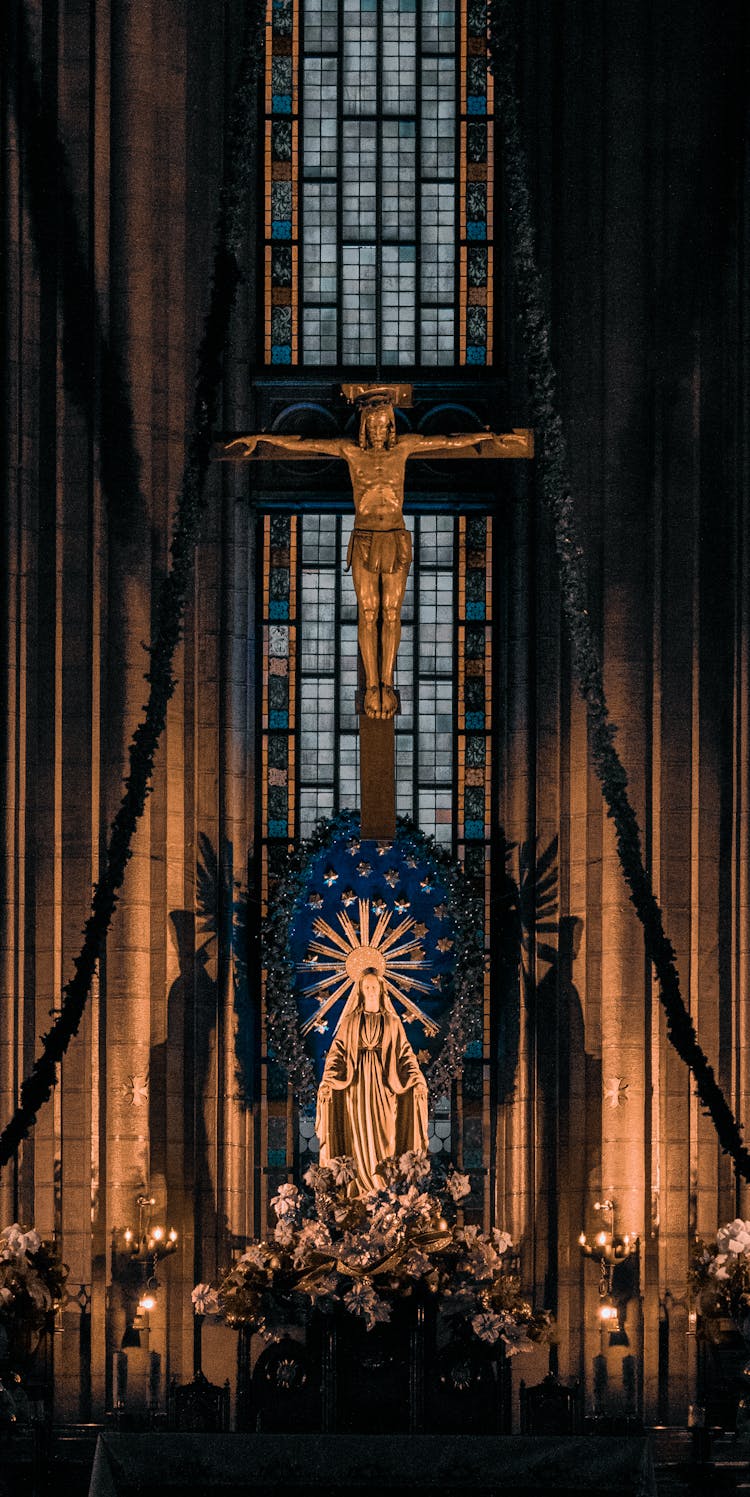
[476, 104]
[364, 872]
[407, 252]
[476, 354]
[278, 608]
[277, 1158]
[368, 4]
[474, 720]
[473, 1050]
[409, 6]
[281, 103]
[282, 354]
[474, 829]
[476, 230]
[277, 828]
[474, 611]
[407, 129]
[282, 229]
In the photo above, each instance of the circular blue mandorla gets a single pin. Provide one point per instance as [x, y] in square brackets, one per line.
[378, 906]
[339, 905]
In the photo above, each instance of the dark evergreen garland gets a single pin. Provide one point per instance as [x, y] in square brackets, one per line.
[465, 910]
[237, 185]
[555, 485]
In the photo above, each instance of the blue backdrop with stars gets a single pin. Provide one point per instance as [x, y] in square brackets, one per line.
[399, 879]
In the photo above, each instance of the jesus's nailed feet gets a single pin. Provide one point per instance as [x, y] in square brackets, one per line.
[372, 701]
[388, 701]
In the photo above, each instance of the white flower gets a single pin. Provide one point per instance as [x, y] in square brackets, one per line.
[360, 1297]
[344, 1170]
[256, 1255]
[487, 1326]
[502, 1240]
[286, 1200]
[378, 1313]
[417, 1264]
[734, 1238]
[284, 1233]
[458, 1185]
[417, 1203]
[314, 1237]
[515, 1337]
[205, 1300]
[19, 1242]
[414, 1166]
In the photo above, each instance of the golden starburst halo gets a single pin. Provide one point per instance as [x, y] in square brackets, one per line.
[394, 952]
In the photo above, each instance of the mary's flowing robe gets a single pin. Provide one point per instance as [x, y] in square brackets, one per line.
[378, 1102]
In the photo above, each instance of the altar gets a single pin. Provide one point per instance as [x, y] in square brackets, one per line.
[439, 1466]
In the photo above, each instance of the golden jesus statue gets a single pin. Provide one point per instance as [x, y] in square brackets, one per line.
[380, 547]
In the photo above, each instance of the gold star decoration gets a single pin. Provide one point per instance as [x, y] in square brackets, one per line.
[348, 897]
[420, 930]
[391, 877]
[441, 911]
[364, 870]
[330, 877]
[444, 944]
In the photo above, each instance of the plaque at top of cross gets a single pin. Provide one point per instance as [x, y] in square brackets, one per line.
[379, 551]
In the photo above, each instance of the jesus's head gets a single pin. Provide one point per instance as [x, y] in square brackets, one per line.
[377, 427]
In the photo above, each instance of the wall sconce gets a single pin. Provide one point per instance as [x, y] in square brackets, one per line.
[607, 1246]
[150, 1240]
[138, 1251]
[608, 1249]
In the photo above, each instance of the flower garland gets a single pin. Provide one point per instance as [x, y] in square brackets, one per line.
[32, 1285]
[363, 1254]
[283, 1016]
[170, 608]
[555, 484]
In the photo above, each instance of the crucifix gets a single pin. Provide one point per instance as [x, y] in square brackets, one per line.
[379, 556]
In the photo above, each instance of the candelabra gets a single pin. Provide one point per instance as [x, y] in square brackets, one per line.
[139, 1251]
[608, 1249]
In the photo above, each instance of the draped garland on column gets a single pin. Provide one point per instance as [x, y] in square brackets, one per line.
[238, 183]
[587, 665]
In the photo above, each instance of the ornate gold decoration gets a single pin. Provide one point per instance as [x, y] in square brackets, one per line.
[394, 953]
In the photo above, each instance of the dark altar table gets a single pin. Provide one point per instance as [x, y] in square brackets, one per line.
[187, 1465]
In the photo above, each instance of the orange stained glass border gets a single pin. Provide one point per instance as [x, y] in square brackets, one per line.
[268, 179]
[463, 288]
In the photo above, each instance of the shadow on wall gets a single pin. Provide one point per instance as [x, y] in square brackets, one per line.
[186, 1071]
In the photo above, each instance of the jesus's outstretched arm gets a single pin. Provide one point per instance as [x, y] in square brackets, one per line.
[241, 448]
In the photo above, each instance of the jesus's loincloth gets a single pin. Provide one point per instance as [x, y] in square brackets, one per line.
[380, 550]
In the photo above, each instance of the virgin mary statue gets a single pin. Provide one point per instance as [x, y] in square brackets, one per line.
[372, 1099]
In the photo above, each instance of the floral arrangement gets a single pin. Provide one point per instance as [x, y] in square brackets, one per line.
[32, 1284]
[720, 1274]
[364, 1253]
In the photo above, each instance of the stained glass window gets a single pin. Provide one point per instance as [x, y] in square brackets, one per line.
[379, 181]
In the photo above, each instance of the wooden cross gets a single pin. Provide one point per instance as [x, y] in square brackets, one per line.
[379, 556]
